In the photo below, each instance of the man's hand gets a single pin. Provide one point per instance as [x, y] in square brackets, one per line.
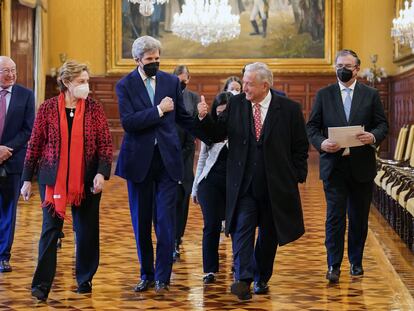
[26, 190]
[330, 146]
[366, 138]
[202, 108]
[166, 104]
[220, 109]
[5, 153]
[98, 183]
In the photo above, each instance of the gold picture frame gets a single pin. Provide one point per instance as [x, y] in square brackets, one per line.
[402, 54]
[331, 43]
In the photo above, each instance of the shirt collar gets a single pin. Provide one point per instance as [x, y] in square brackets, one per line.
[9, 89]
[265, 102]
[343, 87]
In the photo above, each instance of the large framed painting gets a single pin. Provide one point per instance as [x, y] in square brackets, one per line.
[301, 36]
[402, 53]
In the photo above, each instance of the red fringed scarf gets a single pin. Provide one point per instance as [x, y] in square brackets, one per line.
[68, 190]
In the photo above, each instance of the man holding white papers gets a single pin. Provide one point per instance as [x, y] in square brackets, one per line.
[347, 173]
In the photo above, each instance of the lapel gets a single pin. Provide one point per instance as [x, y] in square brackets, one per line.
[138, 89]
[159, 80]
[338, 103]
[357, 99]
[13, 105]
[272, 116]
[246, 117]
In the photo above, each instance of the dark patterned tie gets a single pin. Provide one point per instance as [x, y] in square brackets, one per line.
[3, 94]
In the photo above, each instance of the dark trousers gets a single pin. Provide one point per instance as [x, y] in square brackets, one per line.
[9, 196]
[345, 194]
[253, 262]
[211, 194]
[86, 227]
[183, 201]
[157, 185]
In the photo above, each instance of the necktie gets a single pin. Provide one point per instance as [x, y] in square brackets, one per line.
[257, 116]
[347, 103]
[3, 94]
[150, 90]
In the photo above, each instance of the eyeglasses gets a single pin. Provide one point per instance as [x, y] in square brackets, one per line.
[350, 67]
[8, 71]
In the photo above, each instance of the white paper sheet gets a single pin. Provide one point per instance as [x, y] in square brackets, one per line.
[345, 136]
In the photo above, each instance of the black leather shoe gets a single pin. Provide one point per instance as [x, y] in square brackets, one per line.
[144, 285]
[241, 289]
[209, 278]
[356, 270]
[39, 292]
[161, 287]
[5, 266]
[84, 288]
[333, 274]
[260, 288]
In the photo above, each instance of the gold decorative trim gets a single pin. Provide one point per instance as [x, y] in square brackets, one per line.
[115, 64]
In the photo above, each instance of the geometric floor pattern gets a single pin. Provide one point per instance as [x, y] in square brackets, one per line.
[298, 281]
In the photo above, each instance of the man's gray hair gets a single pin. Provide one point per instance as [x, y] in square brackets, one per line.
[263, 73]
[143, 45]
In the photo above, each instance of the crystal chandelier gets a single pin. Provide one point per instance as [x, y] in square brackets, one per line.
[403, 27]
[146, 7]
[206, 21]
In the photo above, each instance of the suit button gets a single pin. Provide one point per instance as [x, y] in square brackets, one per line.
[254, 163]
[239, 164]
[244, 141]
[235, 185]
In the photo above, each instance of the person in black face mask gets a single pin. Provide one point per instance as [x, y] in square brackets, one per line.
[150, 106]
[347, 173]
[190, 100]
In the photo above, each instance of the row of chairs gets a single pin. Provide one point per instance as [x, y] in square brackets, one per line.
[394, 187]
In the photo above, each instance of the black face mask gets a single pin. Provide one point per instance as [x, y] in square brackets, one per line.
[151, 69]
[344, 74]
[183, 85]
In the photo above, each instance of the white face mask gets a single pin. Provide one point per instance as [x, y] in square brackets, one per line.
[81, 91]
[234, 92]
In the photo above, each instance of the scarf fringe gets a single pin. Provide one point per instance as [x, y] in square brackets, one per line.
[51, 209]
[75, 198]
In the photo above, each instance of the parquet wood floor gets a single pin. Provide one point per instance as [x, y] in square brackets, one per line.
[298, 282]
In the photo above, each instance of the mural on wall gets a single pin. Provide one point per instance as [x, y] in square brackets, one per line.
[294, 29]
[301, 36]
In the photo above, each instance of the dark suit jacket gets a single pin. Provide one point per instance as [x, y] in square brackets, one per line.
[18, 127]
[328, 111]
[285, 149]
[190, 100]
[142, 125]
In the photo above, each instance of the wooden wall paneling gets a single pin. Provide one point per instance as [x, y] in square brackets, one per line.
[22, 52]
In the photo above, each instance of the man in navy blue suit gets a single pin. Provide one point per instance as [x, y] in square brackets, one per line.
[151, 106]
[16, 122]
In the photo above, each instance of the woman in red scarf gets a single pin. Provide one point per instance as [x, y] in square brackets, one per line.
[71, 150]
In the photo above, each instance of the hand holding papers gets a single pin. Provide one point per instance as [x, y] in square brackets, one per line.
[346, 136]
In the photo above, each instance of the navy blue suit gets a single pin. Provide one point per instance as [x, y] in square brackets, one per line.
[17, 129]
[151, 162]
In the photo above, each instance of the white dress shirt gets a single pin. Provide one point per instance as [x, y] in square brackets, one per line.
[264, 106]
[153, 84]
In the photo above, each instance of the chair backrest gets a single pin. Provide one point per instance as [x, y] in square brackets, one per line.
[401, 144]
[408, 154]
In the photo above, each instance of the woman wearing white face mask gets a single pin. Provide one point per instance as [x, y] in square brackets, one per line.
[71, 150]
[233, 85]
